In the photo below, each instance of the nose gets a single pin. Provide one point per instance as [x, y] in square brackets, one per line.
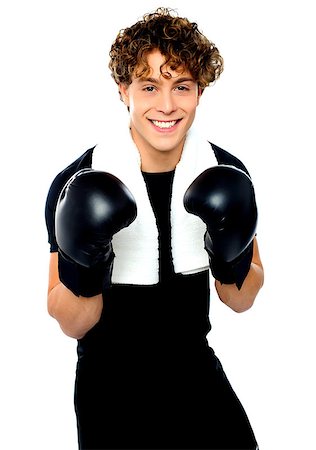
[166, 103]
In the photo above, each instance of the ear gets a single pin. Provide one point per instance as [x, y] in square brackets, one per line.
[200, 92]
[123, 90]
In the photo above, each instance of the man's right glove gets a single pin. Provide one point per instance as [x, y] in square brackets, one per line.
[91, 208]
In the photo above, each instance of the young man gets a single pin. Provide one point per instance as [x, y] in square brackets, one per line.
[134, 232]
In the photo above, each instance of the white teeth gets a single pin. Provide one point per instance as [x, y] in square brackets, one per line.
[164, 124]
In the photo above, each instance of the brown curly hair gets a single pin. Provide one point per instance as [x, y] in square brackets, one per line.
[179, 41]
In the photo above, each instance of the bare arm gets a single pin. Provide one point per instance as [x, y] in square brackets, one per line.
[243, 299]
[75, 315]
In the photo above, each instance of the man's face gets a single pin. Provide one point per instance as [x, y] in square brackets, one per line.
[161, 110]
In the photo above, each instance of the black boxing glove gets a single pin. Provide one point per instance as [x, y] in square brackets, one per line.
[92, 207]
[224, 198]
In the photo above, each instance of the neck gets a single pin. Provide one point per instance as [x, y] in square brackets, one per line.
[156, 160]
[155, 166]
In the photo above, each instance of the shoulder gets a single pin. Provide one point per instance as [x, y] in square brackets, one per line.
[225, 157]
[83, 161]
[56, 186]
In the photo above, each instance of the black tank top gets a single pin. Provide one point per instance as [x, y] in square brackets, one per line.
[176, 310]
[159, 187]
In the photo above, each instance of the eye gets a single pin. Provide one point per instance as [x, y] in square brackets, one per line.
[149, 88]
[182, 88]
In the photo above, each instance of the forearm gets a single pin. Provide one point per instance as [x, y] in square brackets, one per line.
[242, 299]
[75, 315]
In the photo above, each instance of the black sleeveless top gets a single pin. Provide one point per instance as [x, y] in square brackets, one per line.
[159, 187]
[173, 313]
[146, 376]
[165, 317]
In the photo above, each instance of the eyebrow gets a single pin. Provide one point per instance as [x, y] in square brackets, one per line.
[156, 81]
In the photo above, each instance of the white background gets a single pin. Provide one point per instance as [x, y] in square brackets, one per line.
[56, 98]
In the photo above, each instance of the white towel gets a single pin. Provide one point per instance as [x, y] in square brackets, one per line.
[136, 247]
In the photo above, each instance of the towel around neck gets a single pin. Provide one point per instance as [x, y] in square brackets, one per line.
[136, 247]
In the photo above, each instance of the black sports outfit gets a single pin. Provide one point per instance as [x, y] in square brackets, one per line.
[146, 376]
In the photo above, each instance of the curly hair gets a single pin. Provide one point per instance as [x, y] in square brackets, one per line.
[179, 41]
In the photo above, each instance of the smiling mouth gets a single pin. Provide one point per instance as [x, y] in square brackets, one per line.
[165, 124]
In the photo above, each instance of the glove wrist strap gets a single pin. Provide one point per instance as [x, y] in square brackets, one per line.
[85, 281]
[233, 272]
